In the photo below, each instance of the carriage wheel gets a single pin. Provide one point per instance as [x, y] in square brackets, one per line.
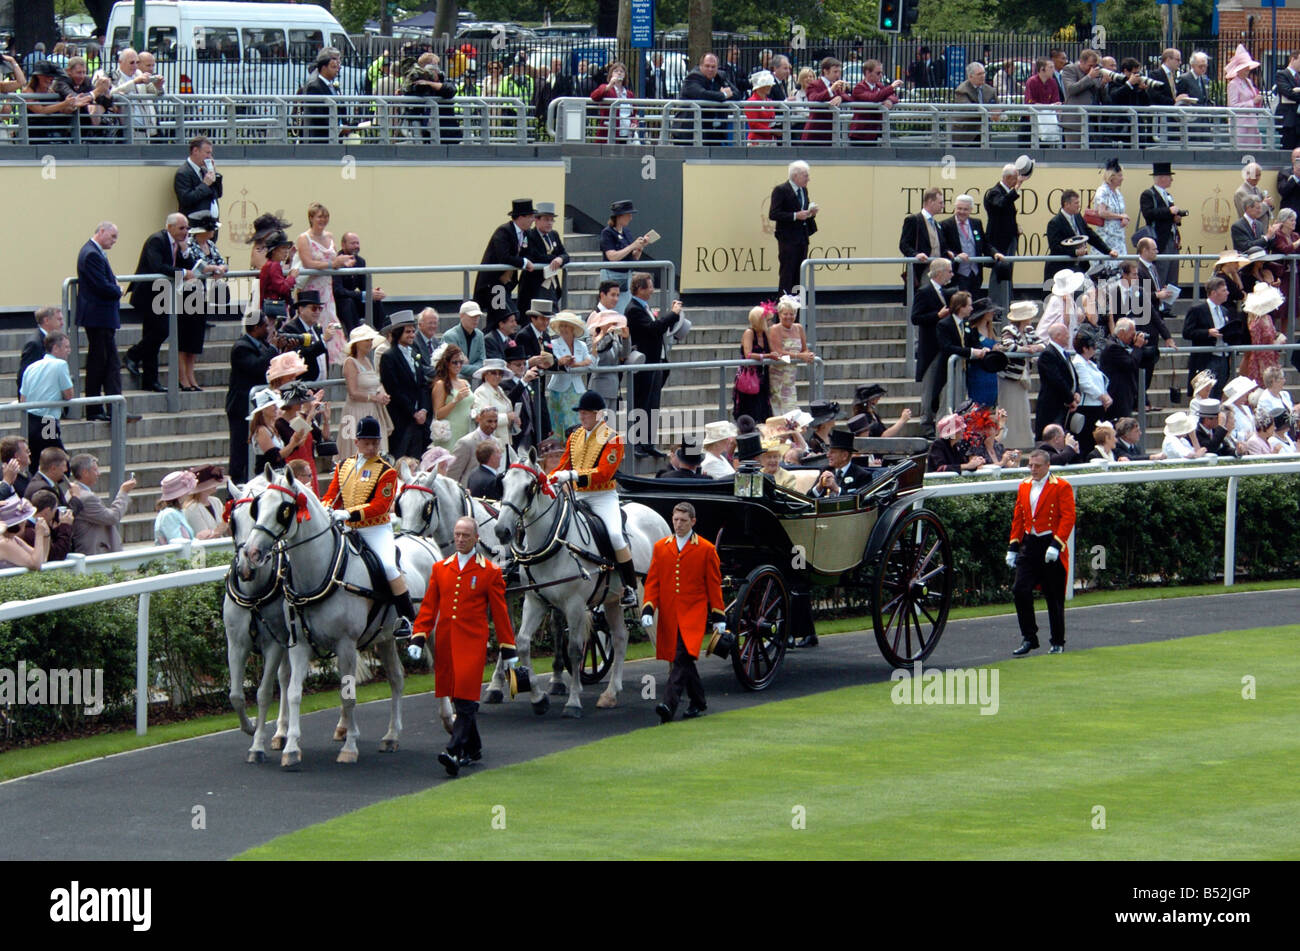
[913, 588]
[760, 618]
[599, 655]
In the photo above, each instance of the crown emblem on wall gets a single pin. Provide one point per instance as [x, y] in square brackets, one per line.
[1216, 214]
[241, 228]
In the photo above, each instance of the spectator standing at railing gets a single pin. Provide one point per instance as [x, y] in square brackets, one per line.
[197, 183]
[1288, 183]
[165, 252]
[47, 379]
[1058, 392]
[1109, 204]
[929, 307]
[795, 214]
[544, 248]
[49, 121]
[1042, 88]
[467, 336]
[961, 238]
[320, 82]
[1163, 216]
[1203, 327]
[556, 84]
[1252, 229]
[829, 89]
[96, 529]
[250, 357]
[350, 290]
[1094, 398]
[1013, 380]
[148, 86]
[77, 82]
[98, 309]
[647, 331]
[616, 123]
[1003, 233]
[781, 69]
[974, 91]
[1287, 84]
[1194, 84]
[656, 81]
[873, 89]
[1251, 174]
[1153, 305]
[583, 80]
[1064, 232]
[493, 290]
[426, 81]
[732, 74]
[170, 526]
[48, 320]
[926, 72]
[1005, 84]
[704, 84]
[919, 238]
[1244, 94]
[759, 117]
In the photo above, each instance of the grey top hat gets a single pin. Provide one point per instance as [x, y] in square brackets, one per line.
[545, 208]
[540, 307]
[403, 318]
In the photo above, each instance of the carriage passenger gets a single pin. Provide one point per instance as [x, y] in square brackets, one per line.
[363, 490]
[590, 461]
[844, 475]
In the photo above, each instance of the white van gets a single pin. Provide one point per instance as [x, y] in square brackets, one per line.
[218, 48]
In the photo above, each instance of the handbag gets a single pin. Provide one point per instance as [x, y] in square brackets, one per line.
[747, 381]
[1092, 218]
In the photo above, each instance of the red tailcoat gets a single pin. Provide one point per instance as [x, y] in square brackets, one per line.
[1055, 514]
[458, 602]
[686, 589]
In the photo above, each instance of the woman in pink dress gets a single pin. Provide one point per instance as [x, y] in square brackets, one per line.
[1259, 307]
[1244, 94]
[315, 250]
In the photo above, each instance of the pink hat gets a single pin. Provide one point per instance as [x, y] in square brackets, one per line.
[1240, 61]
[949, 426]
[178, 484]
[286, 366]
[435, 459]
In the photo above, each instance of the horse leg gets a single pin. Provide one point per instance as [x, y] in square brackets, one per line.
[617, 633]
[272, 655]
[396, 680]
[347, 657]
[238, 645]
[284, 674]
[559, 685]
[579, 618]
[529, 624]
[299, 661]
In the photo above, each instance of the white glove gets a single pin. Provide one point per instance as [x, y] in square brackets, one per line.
[340, 515]
[647, 620]
[563, 476]
[1011, 559]
[1051, 556]
[415, 651]
[719, 627]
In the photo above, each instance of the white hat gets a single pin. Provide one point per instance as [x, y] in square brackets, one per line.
[566, 318]
[1024, 165]
[1179, 424]
[718, 431]
[494, 363]
[1237, 387]
[1264, 299]
[471, 308]
[1066, 282]
[1022, 310]
[360, 333]
[763, 79]
[261, 400]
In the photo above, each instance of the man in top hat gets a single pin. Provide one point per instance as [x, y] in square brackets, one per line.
[362, 491]
[1203, 327]
[522, 387]
[410, 402]
[963, 237]
[305, 324]
[1163, 216]
[533, 337]
[493, 290]
[463, 589]
[590, 462]
[1040, 532]
[684, 463]
[1064, 232]
[544, 248]
[843, 475]
[1210, 432]
[250, 358]
[1003, 234]
[929, 308]
[499, 343]
[684, 588]
[164, 252]
[467, 336]
[718, 443]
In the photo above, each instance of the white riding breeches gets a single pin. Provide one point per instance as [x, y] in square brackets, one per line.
[605, 505]
[382, 542]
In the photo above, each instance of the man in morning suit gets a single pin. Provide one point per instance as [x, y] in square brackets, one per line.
[99, 298]
[920, 237]
[1058, 393]
[929, 306]
[493, 290]
[306, 325]
[684, 588]
[1287, 82]
[543, 247]
[1121, 360]
[410, 403]
[1203, 327]
[164, 252]
[249, 359]
[795, 215]
[647, 333]
[1288, 183]
[963, 237]
[1066, 224]
[197, 187]
[842, 476]
[1003, 234]
[1251, 230]
[1163, 216]
[350, 290]
[1039, 552]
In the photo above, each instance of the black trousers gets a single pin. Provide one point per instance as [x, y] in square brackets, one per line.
[683, 675]
[1290, 136]
[465, 740]
[1032, 571]
[647, 389]
[146, 351]
[238, 470]
[790, 254]
[1216, 365]
[103, 370]
[42, 431]
[1091, 416]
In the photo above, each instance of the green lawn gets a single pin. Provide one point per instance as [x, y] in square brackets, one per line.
[1158, 735]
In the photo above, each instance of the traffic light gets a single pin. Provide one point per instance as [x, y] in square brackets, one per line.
[889, 21]
[911, 13]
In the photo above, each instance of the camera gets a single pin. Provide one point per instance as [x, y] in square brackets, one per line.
[1111, 74]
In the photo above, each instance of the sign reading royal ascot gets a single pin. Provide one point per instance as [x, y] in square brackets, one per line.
[728, 243]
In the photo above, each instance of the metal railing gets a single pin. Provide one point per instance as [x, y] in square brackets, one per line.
[116, 427]
[131, 559]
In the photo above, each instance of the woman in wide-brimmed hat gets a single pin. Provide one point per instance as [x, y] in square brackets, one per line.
[1244, 94]
[1260, 305]
[366, 394]
[945, 452]
[262, 434]
[1229, 267]
[14, 552]
[202, 512]
[563, 390]
[275, 285]
[170, 525]
[1061, 307]
[488, 392]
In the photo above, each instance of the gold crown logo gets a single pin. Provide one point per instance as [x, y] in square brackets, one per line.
[241, 231]
[1216, 214]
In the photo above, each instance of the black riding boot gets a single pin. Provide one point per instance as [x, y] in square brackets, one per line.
[405, 614]
[628, 573]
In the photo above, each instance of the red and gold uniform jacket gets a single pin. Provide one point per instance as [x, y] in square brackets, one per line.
[1055, 514]
[595, 456]
[457, 602]
[685, 588]
[366, 490]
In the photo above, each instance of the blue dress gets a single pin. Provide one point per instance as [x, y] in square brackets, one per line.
[981, 385]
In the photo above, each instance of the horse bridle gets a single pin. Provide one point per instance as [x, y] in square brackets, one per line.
[254, 601]
[277, 538]
[430, 507]
[521, 555]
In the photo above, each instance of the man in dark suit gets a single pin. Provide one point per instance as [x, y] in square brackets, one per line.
[1128, 442]
[1251, 230]
[924, 73]
[951, 335]
[493, 289]
[684, 463]
[1287, 82]
[98, 302]
[48, 320]
[1058, 393]
[647, 334]
[929, 306]
[920, 238]
[1062, 449]
[1066, 224]
[543, 247]
[306, 324]
[1209, 433]
[316, 118]
[1195, 84]
[1152, 305]
[1120, 360]
[556, 85]
[1162, 82]
[532, 338]
[484, 482]
[842, 476]
[1163, 216]
[350, 290]
[409, 402]
[500, 344]
[249, 358]
[1203, 327]
[732, 74]
[426, 341]
[656, 80]
[795, 214]
[197, 183]
[705, 84]
[963, 237]
[1288, 183]
[522, 389]
[164, 252]
[1003, 232]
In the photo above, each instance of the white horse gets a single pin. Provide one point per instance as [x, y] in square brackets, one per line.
[328, 588]
[553, 555]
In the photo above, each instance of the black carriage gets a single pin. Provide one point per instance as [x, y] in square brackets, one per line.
[778, 546]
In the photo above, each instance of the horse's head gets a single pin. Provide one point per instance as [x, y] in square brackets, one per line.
[277, 512]
[519, 491]
[239, 514]
[417, 503]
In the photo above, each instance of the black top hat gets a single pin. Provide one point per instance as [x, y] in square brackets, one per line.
[622, 208]
[520, 207]
[689, 454]
[749, 446]
[867, 392]
[591, 400]
[368, 428]
[309, 297]
[842, 439]
[858, 426]
[823, 410]
[1161, 168]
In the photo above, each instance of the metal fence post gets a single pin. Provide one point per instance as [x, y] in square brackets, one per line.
[722, 392]
[142, 666]
[1230, 535]
[117, 437]
[173, 351]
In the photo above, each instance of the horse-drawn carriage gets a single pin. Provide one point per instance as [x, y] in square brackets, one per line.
[778, 546]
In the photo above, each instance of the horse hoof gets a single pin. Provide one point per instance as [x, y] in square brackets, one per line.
[388, 746]
[573, 713]
[494, 696]
[606, 700]
[256, 757]
[291, 760]
[347, 757]
[277, 742]
[340, 734]
[558, 689]
[541, 706]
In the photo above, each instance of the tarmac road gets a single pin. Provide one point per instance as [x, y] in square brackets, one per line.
[139, 805]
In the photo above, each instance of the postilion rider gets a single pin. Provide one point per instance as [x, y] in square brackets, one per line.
[590, 461]
[362, 493]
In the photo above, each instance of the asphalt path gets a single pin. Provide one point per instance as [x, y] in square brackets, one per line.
[141, 804]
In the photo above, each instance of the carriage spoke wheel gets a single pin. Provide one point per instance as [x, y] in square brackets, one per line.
[760, 618]
[913, 588]
[599, 655]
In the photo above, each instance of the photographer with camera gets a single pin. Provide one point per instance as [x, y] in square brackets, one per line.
[1163, 217]
[1085, 83]
[426, 81]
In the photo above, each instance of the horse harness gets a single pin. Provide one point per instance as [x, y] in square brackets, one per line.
[467, 511]
[254, 603]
